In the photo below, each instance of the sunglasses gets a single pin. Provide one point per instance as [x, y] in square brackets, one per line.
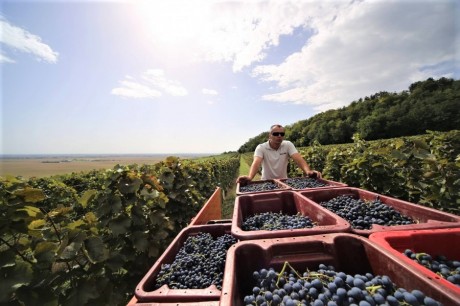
[278, 133]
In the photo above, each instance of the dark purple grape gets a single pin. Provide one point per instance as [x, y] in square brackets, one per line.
[198, 264]
[362, 215]
[271, 221]
[259, 187]
[304, 182]
[327, 287]
[439, 264]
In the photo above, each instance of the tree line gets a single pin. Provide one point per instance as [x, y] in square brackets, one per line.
[426, 105]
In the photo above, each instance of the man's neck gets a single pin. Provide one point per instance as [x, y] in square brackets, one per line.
[273, 146]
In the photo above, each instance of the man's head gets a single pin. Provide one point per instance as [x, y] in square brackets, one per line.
[276, 134]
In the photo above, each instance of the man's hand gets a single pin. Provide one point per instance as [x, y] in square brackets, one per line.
[313, 174]
[244, 179]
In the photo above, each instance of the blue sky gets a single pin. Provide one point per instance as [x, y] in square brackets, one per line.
[203, 76]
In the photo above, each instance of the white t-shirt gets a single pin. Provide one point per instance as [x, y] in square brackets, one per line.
[275, 162]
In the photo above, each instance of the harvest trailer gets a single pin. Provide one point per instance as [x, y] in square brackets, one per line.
[321, 263]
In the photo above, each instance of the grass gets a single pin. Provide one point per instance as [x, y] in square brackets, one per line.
[229, 196]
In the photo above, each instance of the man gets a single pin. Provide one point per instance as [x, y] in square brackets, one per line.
[274, 156]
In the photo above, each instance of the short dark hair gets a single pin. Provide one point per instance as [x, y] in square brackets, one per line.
[276, 125]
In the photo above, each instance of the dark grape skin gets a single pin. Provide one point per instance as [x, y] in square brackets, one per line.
[362, 215]
[448, 269]
[199, 263]
[304, 182]
[313, 288]
[259, 187]
[272, 221]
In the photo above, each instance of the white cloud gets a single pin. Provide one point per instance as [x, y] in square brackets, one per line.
[20, 39]
[210, 92]
[240, 32]
[5, 59]
[131, 89]
[357, 48]
[157, 78]
[368, 47]
[153, 85]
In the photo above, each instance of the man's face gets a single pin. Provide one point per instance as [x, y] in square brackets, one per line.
[276, 135]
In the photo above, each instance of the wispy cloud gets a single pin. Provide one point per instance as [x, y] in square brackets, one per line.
[5, 59]
[153, 84]
[240, 32]
[351, 48]
[132, 89]
[22, 40]
[365, 48]
[210, 92]
[157, 78]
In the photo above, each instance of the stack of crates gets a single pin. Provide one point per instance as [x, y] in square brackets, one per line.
[331, 241]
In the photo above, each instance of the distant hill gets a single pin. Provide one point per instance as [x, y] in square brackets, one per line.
[426, 105]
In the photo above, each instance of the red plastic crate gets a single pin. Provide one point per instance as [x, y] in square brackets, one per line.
[427, 218]
[434, 242]
[280, 185]
[211, 210]
[348, 253]
[287, 202]
[145, 291]
[133, 302]
[330, 184]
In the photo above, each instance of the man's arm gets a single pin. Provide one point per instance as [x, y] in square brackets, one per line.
[302, 164]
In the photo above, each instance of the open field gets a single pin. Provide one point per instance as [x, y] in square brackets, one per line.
[48, 166]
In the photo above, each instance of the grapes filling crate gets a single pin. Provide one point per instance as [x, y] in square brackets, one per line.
[427, 246]
[348, 254]
[309, 183]
[288, 203]
[186, 269]
[134, 302]
[370, 212]
[253, 187]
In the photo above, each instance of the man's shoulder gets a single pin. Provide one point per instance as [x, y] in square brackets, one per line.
[263, 145]
[287, 143]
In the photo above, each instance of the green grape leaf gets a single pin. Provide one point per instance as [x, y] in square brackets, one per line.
[418, 143]
[96, 249]
[148, 195]
[31, 211]
[87, 196]
[157, 218]
[399, 143]
[82, 293]
[75, 224]
[71, 250]
[153, 251]
[45, 251]
[30, 195]
[140, 241]
[161, 235]
[11, 278]
[398, 154]
[36, 224]
[167, 178]
[7, 258]
[120, 225]
[30, 296]
[128, 185]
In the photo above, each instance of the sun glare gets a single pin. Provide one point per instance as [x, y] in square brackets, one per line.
[173, 22]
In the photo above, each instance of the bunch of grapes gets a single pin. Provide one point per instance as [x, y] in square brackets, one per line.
[272, 221]
[440, 264]
[328, 287]
[363, 214]
[199, 263]
[304, 182]
[258, 187]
